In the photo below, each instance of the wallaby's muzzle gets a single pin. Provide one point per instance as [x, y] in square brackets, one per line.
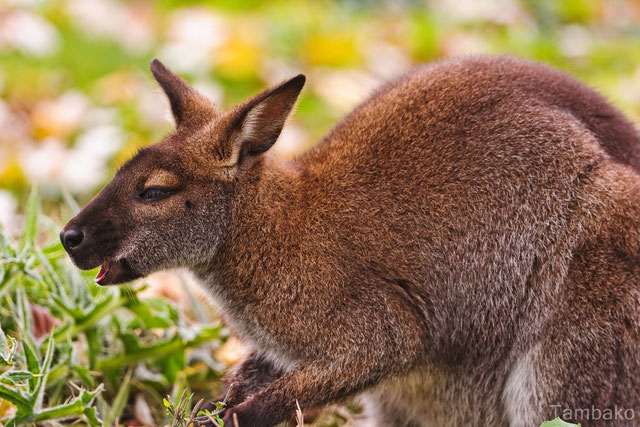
[81, 245]
[92, 240]
[86, 253]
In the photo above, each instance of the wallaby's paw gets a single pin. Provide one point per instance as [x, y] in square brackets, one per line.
[203, 423]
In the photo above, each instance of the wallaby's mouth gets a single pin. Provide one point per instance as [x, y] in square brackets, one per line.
[104, 269]
[114, 272]
[87, 254]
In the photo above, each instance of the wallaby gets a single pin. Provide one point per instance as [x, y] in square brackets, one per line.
[462, 249]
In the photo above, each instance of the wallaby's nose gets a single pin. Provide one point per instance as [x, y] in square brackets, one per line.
[71, 239]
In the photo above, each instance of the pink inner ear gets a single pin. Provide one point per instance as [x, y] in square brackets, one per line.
[264, 116]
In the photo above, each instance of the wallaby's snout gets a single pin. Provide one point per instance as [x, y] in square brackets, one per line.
[74, 242]
[94, 238]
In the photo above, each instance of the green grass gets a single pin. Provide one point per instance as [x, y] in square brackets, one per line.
[119, 333]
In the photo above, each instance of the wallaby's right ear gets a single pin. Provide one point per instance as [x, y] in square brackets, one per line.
[189, 108]
[257, 123]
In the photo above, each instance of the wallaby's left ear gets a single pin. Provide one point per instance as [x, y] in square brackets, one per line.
[258, 122]
[189, 108]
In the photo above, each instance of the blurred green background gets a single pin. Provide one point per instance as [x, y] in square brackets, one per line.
[76, 97]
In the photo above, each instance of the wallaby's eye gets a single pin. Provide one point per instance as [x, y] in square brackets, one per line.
[155, 193]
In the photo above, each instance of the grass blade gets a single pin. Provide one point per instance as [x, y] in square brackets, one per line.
[37, 394]
[7, 348]
[16, 397]
[121, 399]
[31, 222]
[160, 349]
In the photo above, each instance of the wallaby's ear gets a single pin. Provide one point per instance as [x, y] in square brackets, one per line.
[189, 108]
[259, 121]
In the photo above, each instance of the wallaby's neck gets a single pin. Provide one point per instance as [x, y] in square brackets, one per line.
[266, 201]
[267, 210]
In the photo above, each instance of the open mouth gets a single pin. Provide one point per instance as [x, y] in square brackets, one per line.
[115, 271]
[104, 270]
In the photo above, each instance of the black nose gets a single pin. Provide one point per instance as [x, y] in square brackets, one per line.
[71, 239]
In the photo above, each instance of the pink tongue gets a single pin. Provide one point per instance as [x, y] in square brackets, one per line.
[103, 271]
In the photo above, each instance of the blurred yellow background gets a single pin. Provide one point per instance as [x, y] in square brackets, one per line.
[77, 99]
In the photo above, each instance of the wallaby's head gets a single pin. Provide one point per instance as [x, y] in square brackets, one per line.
[169, 206]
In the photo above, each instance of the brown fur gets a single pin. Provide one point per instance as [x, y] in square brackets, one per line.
[462, 249]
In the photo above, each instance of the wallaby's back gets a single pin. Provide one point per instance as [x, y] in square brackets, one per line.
[480, 81]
